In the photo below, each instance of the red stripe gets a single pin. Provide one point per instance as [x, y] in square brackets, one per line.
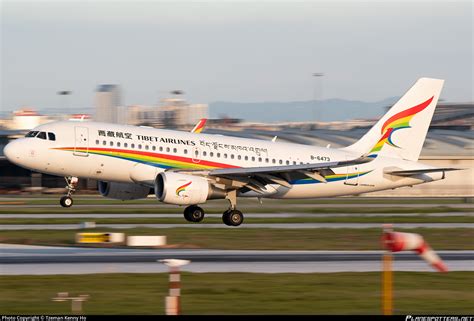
[185, 185]
[165, 156]
[407, 112]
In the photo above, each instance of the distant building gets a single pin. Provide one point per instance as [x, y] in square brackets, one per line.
[107, 103]
[172, 112]
[175, 112]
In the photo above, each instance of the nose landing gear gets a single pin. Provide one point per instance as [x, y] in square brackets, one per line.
[71, 183]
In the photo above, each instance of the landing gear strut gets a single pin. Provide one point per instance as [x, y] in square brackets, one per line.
[232, 216]
[193, 213]
[71, 183]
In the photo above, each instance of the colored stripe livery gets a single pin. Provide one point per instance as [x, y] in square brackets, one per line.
[394, 123]
[331, 178]
[168, 161]
[154, 159]
[182, 188]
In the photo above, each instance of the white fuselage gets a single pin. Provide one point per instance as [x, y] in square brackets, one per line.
[131, 154]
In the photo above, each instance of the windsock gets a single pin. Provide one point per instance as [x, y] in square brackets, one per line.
[397, 241]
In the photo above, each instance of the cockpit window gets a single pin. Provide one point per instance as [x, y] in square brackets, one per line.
[32, 134]
[51, 136]
[41, 135]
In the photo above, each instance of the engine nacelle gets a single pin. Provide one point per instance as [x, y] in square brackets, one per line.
[183, 189]
[123, 191]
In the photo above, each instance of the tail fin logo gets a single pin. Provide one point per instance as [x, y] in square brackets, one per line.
[182, 188]
[397, 122]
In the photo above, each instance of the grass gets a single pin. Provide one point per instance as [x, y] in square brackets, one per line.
[242, 293]
[257, 239]
[213, 220]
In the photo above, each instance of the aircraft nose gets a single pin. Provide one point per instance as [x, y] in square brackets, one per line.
[11, 151]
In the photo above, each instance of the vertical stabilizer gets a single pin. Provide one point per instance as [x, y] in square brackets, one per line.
[401, 132]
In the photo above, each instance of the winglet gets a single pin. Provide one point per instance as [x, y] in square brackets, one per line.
[199, 126]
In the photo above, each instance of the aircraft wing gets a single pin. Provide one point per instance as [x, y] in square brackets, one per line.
[255, 178]
[246, 171]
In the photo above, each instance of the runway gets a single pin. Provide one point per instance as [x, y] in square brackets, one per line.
[266, 203]
[47, 254]
[244, 226]
[23, 259]
[251, 215]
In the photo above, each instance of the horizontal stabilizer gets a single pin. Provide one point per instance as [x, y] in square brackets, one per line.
[413, 172]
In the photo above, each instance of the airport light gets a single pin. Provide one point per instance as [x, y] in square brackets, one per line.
[76, 302]
[172, 301]
[316, 92]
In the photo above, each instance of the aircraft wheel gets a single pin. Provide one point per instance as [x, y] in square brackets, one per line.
[225, 217]
[233, 217]
[194, 214]
[66, 201]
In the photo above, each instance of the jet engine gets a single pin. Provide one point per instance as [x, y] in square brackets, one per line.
[123, 191]
[183, 189]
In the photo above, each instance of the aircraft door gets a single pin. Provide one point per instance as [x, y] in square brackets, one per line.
[352, 176]
[81, 146]
[196, 155]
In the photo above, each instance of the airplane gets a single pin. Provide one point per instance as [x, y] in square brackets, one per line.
[186, 168]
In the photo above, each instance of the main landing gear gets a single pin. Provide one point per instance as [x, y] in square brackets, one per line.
[71, 183]
[231, 217]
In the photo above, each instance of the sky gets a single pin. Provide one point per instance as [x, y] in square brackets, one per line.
[240, 51]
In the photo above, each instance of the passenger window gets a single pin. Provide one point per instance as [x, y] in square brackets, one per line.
[260, 159]
[232, 156]
[104, 142]
[211, 154]
[287, 162]
[125, 145]
[111, 143]
[139, 146]
[218, 155]
[294, 162]
[97, 142]
[225, 155]
[280, 161]
[41, 135]
[273, 160]
[153, 147]
[239, 157]
[118, 144]
[132, 146]
[253, 158]
[167, 149]
[175, 150]
[146, 147]
[186, 151]
[246, 158]
[161, 148]
[51, 136]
